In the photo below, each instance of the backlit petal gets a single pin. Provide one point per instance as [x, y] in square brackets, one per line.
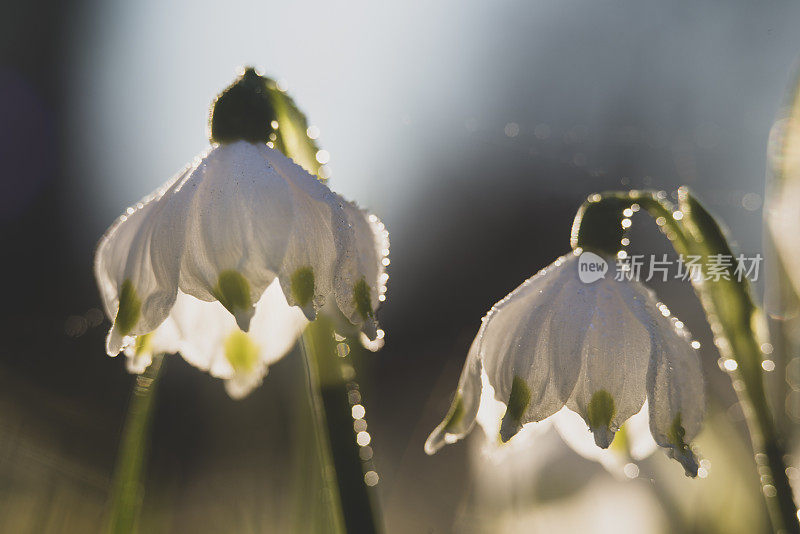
[211, 340]
[611, 384]
[461, 417]
[137, 266]
[307, 271]
[675, 390]
[240, 218]
[360, 280]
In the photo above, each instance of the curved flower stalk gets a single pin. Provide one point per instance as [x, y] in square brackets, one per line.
[599, 348]
[735, 320]
[228, 261]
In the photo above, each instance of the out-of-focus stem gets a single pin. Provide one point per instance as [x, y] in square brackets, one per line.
[127, 491]
[736, 323]
[339, 454]
[334, 423]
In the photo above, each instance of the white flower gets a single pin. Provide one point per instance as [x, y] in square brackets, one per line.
[228, 261]
[782, 207]
[599, 348]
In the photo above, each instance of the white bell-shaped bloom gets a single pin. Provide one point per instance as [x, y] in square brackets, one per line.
[228, 260]
[599, 347]
[782, 206]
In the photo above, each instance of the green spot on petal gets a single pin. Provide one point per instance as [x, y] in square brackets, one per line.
[601, 410]
[361, 297]
[130, 308]
[681, 450]
[303, 285]
[241, 352]
[455, 415]
[518, 402]
[677, 434]
[519, 398]
[233, 291]
[143, 344]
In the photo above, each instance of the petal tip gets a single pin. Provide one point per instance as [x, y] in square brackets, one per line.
[603, 437]
[138, 364]
[439, 438]
[309, 311]
[443, 434]
[116, 342]
[434, 442]
[238, 388]
[372, 345]
[243, 317]
[687, 459]
[370, 329]
[508, 429]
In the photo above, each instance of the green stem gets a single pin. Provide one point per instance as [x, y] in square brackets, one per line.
[330, 516]
[127, 490]
[343, 472]
[736, 323]
[334, 422]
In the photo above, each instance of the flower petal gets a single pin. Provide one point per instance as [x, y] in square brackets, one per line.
[611, 385]
[163, 340]
[461, 417]
[530, 363]
[575, 433]
[240, 217]
[211, 340]
[675, 388]
[307, 271]
[640, 442]
[566, 329]
[360, 280]
[203, 327]
[137, 265]
[636, 445]
[276, 326]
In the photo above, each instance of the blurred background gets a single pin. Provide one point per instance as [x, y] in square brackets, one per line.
[474, 130]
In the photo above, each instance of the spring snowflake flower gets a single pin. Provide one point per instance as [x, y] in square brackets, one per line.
[228, 261]
[782, 207]
[600, 349]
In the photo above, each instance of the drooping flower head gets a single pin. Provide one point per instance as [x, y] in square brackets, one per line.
[227, 261]
[782, 205]
[599, 346]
